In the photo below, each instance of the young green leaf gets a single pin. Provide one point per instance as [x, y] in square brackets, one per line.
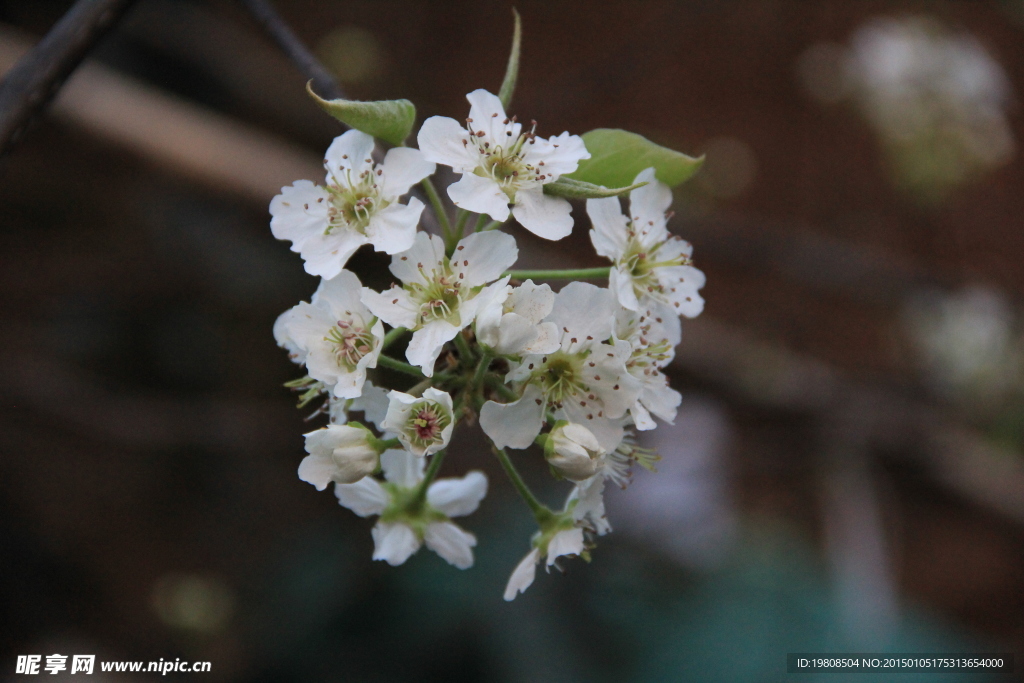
[570, 188]
[616, 156]
[512, 70]
[389, 120]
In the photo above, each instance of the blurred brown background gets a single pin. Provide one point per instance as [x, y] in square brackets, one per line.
[845, 474]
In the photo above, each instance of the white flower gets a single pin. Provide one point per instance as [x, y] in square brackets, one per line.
[423, 425]
[403, 527]
[585, 381]
[574, 451]
[357, 205]
[502, 164]
[439, 295]
[373, 403]
[340, 453]
[653, 335]
[335, 336]
[650, 264]
[509, 320]
[566, 541]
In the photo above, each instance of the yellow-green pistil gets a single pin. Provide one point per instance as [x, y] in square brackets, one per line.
[353, 203]
[351, 343]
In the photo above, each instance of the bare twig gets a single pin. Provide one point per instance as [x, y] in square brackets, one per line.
[323, 82]
[40, 74]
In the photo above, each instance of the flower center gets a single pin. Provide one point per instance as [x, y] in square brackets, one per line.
[439, 299]
[642, 265]
[354, 201]
[425, 424]
[504, 160]
[560, 377]
[351, 343]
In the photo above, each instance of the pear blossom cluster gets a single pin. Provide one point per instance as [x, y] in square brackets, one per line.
[564, 372]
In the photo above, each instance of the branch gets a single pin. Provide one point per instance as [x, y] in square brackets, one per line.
[37, 77]
[323, 82]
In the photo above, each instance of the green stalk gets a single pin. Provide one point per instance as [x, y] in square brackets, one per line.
[540, 512]
[477, 387]
[496, 383]
[391, 336]
[431, 474]
[466, 354]
[400, 366]
[577, 274]
[435, 201]
[493, 225]
[480, 222]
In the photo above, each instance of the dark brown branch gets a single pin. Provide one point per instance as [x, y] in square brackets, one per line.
[37, 76]
[323, 82]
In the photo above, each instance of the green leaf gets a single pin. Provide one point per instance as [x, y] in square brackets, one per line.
[512, 70]
[389, 120]
[616, 156]
[570, 188]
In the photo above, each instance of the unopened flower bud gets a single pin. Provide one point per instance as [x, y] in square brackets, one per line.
[573, 451]
[341, 453]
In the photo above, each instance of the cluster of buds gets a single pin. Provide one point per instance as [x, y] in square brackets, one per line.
[572, 373]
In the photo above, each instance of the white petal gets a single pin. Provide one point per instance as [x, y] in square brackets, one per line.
[532, 301]
[458, 497]
[341, 294]
[326, 255]
[585, 310]
[565, 542]
[450, 542]
[427, 342]
[393, 306]
[649, 203]
[641, 417]
[547, 341]
[394, 542]
[299, 212]
[490, 308]
[350, 151]
[393, 229]
[401, 467]
[516, 424]
[522, 575]
[544, 216]
[479, 195]
[609, 227]
[561, 154]
[686, 280]
[484, 256]
[285, 334]
[621, 284]
[488, 115]
[365, 497]
[317, 469]
[425, 254]
[441, 140]
[373, 402]
[515, 334]
[662, 400]
[403, 167]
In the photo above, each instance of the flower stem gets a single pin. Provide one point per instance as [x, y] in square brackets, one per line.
[477, 386]
[480, 222]
[431, 474]
[540, 512]
[491, 226]
[466, 354]
[442, 215]
[496, 383]
[400, 366]
[577, 274]
[391, 336]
